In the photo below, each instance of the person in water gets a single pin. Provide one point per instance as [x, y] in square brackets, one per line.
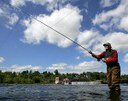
[110, 57]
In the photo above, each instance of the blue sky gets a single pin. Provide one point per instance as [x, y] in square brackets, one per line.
[26, 44]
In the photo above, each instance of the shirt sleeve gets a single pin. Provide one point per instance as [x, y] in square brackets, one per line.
[100, 56]
[114, 57]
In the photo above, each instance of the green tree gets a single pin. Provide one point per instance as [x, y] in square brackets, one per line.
[56, 72]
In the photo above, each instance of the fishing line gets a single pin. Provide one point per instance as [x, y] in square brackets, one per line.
[47, 26]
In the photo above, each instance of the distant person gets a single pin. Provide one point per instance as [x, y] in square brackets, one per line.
[110, 57]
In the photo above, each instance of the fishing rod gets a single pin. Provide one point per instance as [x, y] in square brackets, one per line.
[49, 27]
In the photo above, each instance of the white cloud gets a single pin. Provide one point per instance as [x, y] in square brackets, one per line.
[16, 68]
[105, 16]
[91, 66]
[7, 15]
[126, 58]
[124, 23]
[17, 2]
[37, 32]
[60, 67]
[92, 40]
[2, 59]
[87, 66]
[54, 4]
[1, 11]
[89, 39]
[118, 40]
[113, 19]
[50, 4]
[107, 3]
[13, 18]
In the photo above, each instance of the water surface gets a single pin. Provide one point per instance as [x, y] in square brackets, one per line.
[27, 92]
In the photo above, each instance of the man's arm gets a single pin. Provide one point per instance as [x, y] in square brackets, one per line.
[100, 56]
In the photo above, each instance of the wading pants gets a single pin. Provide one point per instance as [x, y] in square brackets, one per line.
[113, 77]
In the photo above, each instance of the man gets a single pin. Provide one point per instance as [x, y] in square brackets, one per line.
[110, 57]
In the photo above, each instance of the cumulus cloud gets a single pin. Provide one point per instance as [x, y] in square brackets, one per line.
[60, 67]
[92, 66]
[89, 38]
[50, 4]
[36, 32]
[118, 40]
[113, 19]
[86, 66]
[2, 59]
[126, 58]
[93, 40]
[124, 23]
[9, 17]
[17, 2]
[13, 18]
[1, 11]
[115, 22]
[16, 68]
[107, 3]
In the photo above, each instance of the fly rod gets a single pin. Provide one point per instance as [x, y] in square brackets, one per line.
[48, 26]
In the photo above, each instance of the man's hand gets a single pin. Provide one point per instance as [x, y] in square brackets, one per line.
[90, 52]
[98, 59]
[103, 60]
[93, 55]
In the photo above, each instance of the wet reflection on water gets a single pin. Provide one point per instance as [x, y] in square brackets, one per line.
[61, 93]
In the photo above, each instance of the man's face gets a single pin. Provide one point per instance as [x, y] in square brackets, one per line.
[106, 47]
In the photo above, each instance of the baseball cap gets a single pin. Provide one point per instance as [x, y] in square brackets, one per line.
[107, 44]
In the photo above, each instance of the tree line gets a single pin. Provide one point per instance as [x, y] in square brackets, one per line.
[30, 77]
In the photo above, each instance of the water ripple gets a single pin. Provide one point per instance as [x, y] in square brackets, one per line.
[20, 92]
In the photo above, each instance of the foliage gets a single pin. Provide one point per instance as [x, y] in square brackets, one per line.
[29, 77]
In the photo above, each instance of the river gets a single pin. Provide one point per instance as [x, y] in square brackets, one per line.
[35, 92]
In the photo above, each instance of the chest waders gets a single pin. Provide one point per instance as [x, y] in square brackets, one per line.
[113, 73]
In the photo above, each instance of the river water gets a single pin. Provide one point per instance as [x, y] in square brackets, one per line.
[27, 92]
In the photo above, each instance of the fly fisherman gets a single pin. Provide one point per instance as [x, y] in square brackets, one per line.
[110, 57]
